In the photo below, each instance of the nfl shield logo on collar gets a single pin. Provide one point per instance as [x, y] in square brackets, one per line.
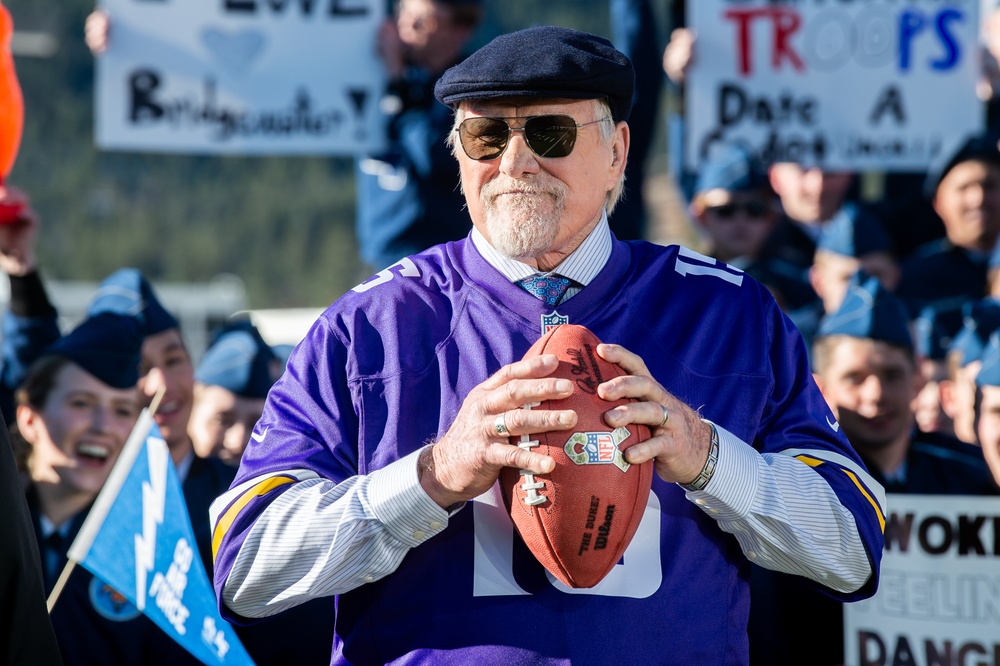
[552, 320]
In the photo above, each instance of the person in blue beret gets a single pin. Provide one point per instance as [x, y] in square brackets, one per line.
[231, 381]
[988, 405]
[864, 361]
[965, 190]
[734, 206]
[76, 407]
[933, 330]
[373, 474]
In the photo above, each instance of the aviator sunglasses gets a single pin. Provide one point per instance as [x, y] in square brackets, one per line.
[547, 136]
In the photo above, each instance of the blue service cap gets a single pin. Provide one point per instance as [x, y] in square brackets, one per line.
[978, 147]
[853, 233]
[989, 374]
[127, 292]
[240, 361]
[869, 311]
[106, 345]
[979, 320]
[543, 62]
[730, 167]
[934, 329]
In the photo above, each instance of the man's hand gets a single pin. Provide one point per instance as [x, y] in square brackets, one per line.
[679, 54]
[467, 460]
[17, 240]
[680, 444]
[96, 31]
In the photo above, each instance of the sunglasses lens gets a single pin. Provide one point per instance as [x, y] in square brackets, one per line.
[550, 136]
[483, 138]
[724, 212]
[755, 208]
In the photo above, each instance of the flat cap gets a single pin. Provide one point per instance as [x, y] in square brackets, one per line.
[543, 62]
[869, 311]
[127, 292]
[239, 361]
[107, 346]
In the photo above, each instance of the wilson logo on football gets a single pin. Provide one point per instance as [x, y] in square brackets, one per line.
[598, 448]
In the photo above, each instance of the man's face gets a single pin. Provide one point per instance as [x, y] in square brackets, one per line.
[738, 223]
[809, 195]
[968, 202]
[221, 422]
[538, 209]
[870, 384]
[989, 428]
[927, 409]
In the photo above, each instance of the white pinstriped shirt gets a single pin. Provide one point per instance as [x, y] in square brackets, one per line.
[335, 537]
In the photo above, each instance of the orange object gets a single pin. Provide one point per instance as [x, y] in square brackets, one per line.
[11, 113]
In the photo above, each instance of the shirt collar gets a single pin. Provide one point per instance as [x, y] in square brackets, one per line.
[582, 265]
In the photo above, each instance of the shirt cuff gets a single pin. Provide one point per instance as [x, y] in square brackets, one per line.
[730, 492]
[400, 503]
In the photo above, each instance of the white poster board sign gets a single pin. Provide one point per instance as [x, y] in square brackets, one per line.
[240, 76]
[939, 597]
[849, 85]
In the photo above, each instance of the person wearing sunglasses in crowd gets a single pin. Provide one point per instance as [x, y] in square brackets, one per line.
[371, 475]
[734, 206]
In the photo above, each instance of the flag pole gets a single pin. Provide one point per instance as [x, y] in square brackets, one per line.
[139, 435]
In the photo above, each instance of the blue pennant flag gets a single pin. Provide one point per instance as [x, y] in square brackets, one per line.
[138, 539]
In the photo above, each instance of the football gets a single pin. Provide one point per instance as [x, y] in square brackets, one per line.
[578, 520]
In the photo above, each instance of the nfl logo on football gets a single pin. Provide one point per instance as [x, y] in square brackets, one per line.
[601, 447]
[552, 320]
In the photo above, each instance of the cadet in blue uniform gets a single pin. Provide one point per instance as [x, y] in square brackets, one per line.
[298, 638]
[865, 365]
[964, 359]
[231, 382]
[933, 329]
[30, 323]
[75, 410]
[966, 196]
[406, 195]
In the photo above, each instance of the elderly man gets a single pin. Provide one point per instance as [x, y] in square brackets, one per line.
[372, 474]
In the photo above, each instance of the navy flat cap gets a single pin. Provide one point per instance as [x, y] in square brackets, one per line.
[239, 361]
[730, 168]
[107, 346]
[543, 62]
[979, 321]
[127, 292]
[869, 311]
[989, 374]
[853, 233]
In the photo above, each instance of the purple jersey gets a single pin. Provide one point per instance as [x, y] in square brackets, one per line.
[385, 370]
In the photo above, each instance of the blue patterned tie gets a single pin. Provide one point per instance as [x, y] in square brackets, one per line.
[548, 288]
